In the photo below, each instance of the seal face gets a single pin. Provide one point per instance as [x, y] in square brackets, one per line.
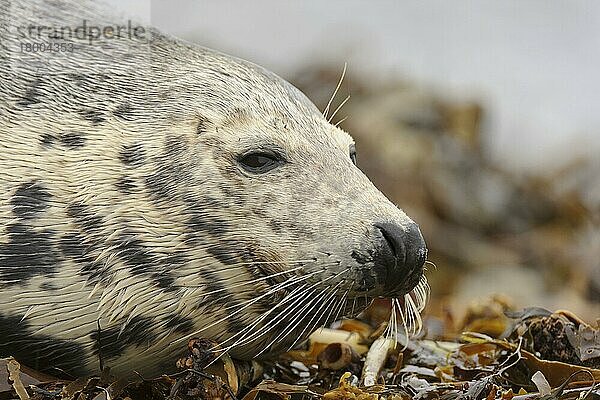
[194, 195]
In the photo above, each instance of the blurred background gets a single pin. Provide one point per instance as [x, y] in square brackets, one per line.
[480, 119]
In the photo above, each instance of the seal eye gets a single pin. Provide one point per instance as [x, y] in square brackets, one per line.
[353, 154]
[259, 162]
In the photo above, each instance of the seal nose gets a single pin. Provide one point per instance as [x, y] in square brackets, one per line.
[401, 255]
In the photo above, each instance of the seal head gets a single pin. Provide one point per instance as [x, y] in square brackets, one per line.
[191, 194]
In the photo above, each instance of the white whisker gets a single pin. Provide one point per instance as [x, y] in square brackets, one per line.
[276, 288]
[326, 111]
[340, 307]
[338, 108]
[244, 338]
[275, 320]
[293, 323]
[409, 310]
[300, 316]
[262, 278]
[340, 121]
[315, 313]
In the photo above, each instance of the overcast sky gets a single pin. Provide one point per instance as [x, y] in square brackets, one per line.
[534, 63]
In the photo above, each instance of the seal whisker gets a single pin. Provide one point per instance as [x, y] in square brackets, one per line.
[295, 298]
[294, 321]
[248, 282]
[341, 307]
[340, 121]
[283, 285]
[409, 311]
[332, 302]
[281, 314]
[428, 262]
[315, 314]
[311, 303]
[236, 265]
[276, 319]
[326, 111]
[388, 332]
[404, 325]
[248, 303]
[338, 108]
[242, 336]
[416, 323]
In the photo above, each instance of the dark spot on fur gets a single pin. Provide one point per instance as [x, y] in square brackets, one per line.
[232, 194]
[27, 253]
[201, 127]
[141, 259]
[84, 243]
[206, 224]
[38, 351]
[159, 186]
[131, 251]
[224, 298]
[180, 324]
[72, 140]
[31, 96]
[276, 226]
[133, 155]
[71, 245]
[224, 254]
[124, 112]
[76, 77]
[84, 217]
[125, 185]
[171, 177]
[229, 252]
[113, 342]
[80, 249]
[30, 199]
[167, 181]
[96, 117]
[47, 140]
[260, 212]
[175, 146]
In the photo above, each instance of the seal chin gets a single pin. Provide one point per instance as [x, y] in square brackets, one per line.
[399, 258]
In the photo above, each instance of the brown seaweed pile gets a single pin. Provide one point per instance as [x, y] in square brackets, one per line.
[537, 355]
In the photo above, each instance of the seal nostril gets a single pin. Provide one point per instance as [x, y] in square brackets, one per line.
[393, 236]
[389, 241]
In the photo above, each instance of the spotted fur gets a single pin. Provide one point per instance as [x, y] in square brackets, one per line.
[126, 222]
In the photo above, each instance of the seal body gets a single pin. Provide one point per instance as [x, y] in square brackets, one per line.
[155, 191]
